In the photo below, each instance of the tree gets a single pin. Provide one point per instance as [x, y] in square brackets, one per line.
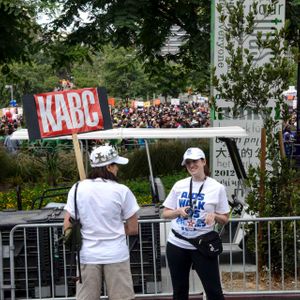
[18, 32]
[116, 69]
[123, 75]
[171, 78]
[144, 25]
[273, 191]
[27, 78]
[293, 16]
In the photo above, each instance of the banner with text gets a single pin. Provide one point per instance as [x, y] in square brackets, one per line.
[66, 112]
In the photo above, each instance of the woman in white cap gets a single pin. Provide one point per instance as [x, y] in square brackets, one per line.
[103, 206]
[194, 204]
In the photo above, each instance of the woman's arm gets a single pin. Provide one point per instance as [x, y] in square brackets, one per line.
[215, 217]
[67, 222]
[131, 225]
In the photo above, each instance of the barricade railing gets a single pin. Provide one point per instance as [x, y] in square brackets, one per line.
[39, 265]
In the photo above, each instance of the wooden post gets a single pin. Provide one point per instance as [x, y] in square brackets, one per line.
[78, 156]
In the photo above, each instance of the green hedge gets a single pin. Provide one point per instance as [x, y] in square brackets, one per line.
[29, 193]
[166, 157]
[37, 168]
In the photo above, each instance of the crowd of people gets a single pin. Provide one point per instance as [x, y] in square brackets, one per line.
[8, 124]
[165, 115]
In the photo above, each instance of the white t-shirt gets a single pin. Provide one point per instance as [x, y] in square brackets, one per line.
[102, 208]
[211, 199]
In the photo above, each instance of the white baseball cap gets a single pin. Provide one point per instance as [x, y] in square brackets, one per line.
[192, 153]
[106, 155]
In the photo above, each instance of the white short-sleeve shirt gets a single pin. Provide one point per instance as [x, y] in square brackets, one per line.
[103, 206]
[212, 198]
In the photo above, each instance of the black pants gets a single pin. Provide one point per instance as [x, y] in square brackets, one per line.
[180, 261]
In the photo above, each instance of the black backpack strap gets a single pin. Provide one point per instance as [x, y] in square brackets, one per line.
[78, 248]
[74, 247]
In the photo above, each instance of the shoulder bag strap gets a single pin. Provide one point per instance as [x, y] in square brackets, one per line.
[78, 250]
[75, 200]
[178, 235]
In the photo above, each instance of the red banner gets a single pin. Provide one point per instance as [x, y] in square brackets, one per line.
[69, 111]
[111, 101]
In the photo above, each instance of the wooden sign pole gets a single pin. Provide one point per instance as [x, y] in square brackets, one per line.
[78, 156]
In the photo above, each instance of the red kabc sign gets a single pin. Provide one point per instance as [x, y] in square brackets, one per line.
[69, 111]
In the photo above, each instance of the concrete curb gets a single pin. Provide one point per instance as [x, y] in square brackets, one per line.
[234, 297]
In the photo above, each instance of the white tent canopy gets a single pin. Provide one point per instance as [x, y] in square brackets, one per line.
[150, 133]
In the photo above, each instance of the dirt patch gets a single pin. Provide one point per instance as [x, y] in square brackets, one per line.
[238, 282]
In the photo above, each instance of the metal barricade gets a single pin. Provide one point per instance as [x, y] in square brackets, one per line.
[38, 266]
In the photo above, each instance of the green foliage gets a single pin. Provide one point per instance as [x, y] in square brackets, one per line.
[123, 74]
[293, 16]
[282, 198]
[141, 187]
[144, 25]
[171, 79]
[275, 191]
[249, 84]
[282, 191]
[118, 70]
[166, 158]
[27, 79]
[29, 194]
[47, 161]
[18, 32]
[7, 164]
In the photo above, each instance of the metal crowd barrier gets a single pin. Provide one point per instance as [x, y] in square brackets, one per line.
[35, 265]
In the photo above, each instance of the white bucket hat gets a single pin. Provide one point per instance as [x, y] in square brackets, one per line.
[106, 155]
[192, 153]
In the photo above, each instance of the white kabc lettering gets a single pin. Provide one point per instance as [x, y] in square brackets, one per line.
[46, 114]
[86, 96]
[62, 113]
[75, 110]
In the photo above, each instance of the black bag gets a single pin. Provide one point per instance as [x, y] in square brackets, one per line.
[72, 235]
[73, 240]
[208, 244]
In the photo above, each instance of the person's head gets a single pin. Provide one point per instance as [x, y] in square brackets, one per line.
[10, 129]
[195, 162]
[104, 162]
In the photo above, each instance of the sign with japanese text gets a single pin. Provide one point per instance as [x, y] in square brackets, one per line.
[248, 147]
[66, 112]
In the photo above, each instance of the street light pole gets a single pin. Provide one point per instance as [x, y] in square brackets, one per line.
[10, 86]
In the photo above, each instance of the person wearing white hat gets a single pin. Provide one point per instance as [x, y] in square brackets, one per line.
[194, 204]
[108, 212]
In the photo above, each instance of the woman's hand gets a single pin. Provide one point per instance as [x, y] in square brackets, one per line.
[183, 211]
[175, 213]
[210, 218]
